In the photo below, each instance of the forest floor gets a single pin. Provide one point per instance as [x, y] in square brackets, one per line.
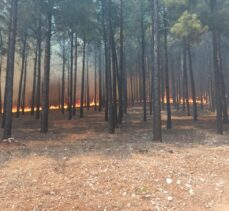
[78, 166]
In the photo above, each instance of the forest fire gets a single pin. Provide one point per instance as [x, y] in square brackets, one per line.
[53, 107]
[198, 101]
[190, 100]
[92, 103]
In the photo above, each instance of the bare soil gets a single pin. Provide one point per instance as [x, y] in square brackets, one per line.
[79, 166]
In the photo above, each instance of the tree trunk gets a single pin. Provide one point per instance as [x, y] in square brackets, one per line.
[195, 115]
[109, 78]
[82, 81]
[173, 86]
[143, 63]
[125, 96]
[1, 84]
[131, 89]
[68, 91]
[21, 77]
[224, 100]
[185, 80]
[88, 85]
[71, 75]
[8, 100]
[218, 91]
[63, 79]
[24, 86]
[75, 75]
[156, 77]
[114, 71]
[120, 114]
[149, 68]
[34, 82]
[105, 38]
[45, 91]
[95, 93]
[38, 89]
[100, 81]
[162, 82]
[211, 90]
[169, 119]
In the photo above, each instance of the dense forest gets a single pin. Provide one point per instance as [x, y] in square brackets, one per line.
[72, 55]
[111, 105]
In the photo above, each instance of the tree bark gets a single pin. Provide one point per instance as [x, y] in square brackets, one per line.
[218, 91]
[0, 83]
[63, 78]
[100, 81]
[195, 115]
[106, 49]
[143, 62]
[224, 100]
[120, 114]
[109, 78]
[185, 74]
[173, 86]
[8, 100]
[82, 81]
[34, 82]
[75, 75]
[23, 56]
[71, 75]
[156, 77]
[45, 91]
[88, 85]
[95, 85]
[24, 85]
[38, 89]
[169, 119]
[114, 71]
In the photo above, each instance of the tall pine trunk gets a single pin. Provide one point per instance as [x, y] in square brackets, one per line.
[63, 78]
[218, 90]
[156, 77]
[100, 81]
[23, 57]
[224, 100]
[38, 88]
[71, 75]
[106, 49]
[24, 85]
[109, 78]
[195, 115]
[45, 87]
[174, 94]
[185, 75]
[34, 82]
[75, 75]
[120, 114]
[143, 62]
[114, 71]
[82, 81]
[95, 85]
[88, 86]
[8, 100]
[169, 119]
[0, 83]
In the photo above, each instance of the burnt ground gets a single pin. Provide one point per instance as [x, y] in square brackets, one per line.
[79, 166]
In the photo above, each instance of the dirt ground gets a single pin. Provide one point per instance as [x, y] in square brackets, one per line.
[78, 166]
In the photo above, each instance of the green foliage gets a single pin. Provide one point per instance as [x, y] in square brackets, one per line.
[78, 16]
[188, 26]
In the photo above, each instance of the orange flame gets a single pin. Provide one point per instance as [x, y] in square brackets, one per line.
[54, 107]
[198, 100]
